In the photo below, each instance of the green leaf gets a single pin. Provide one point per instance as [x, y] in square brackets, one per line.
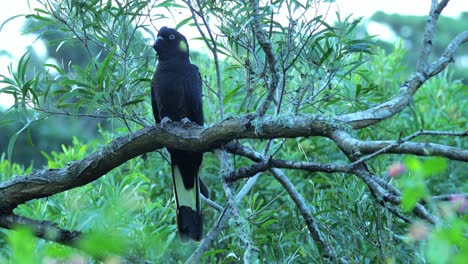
[11, 144]
[132, 102]
[183, 22]
[100, 243]
[269, 222]
[104, 68]
[428, 167]
[439, 250]
[413, 191]
[414, 165]
[12, 141]
[325, 56]
[29, 138]
[8, 20]
[434, 166]
[22, 245]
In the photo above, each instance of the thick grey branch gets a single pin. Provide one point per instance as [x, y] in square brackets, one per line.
[46, 182]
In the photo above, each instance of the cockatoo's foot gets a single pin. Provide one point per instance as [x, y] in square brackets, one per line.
[185, 121]
[165, 120]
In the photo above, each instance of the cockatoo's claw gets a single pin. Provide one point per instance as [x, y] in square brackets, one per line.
[185, 121]
[165, 120]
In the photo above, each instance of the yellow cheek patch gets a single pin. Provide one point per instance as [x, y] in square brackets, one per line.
[182, 46]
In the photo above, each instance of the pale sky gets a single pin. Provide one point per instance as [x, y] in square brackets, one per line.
[15, 44]
[366, 8]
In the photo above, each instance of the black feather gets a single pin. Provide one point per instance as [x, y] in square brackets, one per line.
[176, 93]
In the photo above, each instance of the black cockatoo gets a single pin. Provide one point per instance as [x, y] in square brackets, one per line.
[176, 94]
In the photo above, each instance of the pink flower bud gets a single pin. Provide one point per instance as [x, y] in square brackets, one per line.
[395, 169]
[460, 203]
[418, 231]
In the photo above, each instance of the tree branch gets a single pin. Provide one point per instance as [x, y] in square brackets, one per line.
[295, 195]
[242, 226]
[414, 148]
[429, 33]
[402, 146]
[447, 57]
[382, 195]
[42, 229]
[306, 214]
[46, 182]
[219, 225]
[448, 197]
[263, 164]
[381, 192]
[272, 64]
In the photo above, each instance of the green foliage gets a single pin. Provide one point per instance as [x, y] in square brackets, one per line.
[9, 170]
[22, 245]
[446, 242]
[124, 213]
[22, 88]
[58, 160]
[414, 187]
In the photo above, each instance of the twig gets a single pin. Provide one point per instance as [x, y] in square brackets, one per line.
[247, 171]
[375, 148]
[213, 204]
[448, 197]
[265, 44]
